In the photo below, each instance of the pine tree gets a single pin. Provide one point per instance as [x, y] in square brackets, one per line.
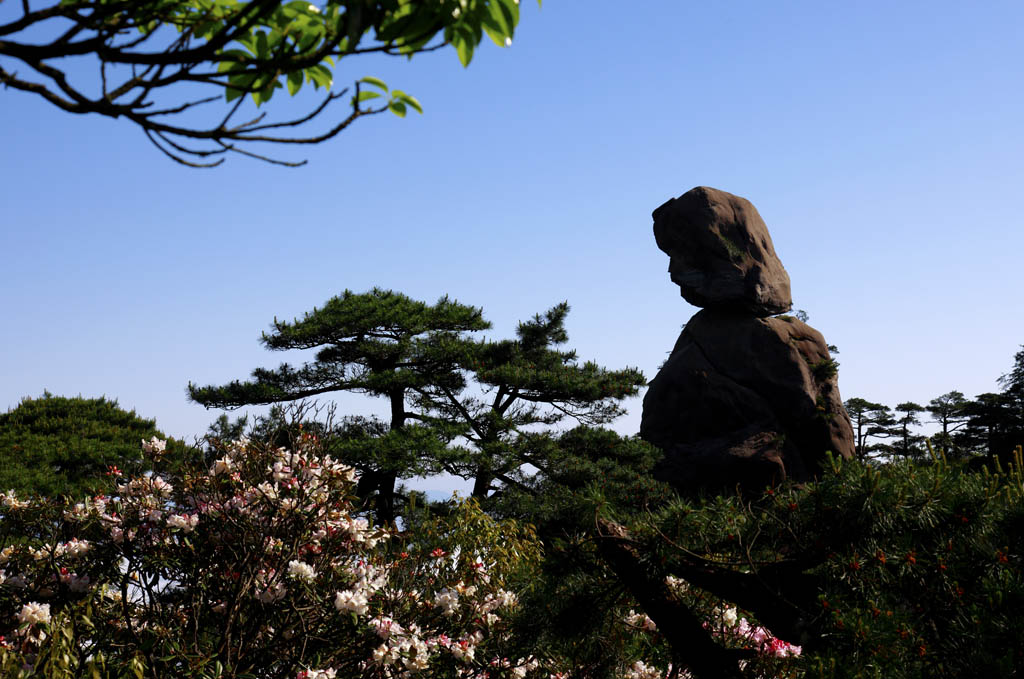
[869, 420]
[63, 446]
[1013, 392]
[379, 343]
[907, 443]
[948, 411]
[527, 381]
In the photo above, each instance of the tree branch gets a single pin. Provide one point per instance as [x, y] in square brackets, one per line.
[692, 645]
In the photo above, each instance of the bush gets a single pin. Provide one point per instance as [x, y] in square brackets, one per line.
[909, 570]
[254, 567]
[62, 446]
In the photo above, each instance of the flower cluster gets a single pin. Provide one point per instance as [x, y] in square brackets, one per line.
[259, 546]
[762, 639]
[735, 629]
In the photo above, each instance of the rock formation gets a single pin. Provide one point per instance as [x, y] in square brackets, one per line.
[743, 398]
[722, 254]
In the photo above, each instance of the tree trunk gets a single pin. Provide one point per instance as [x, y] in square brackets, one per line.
[482, 483]
[386, 479]
[692, 645]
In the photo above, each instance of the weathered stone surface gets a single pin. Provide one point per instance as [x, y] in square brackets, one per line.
[755, 398]
[750, 459]
[722, 255]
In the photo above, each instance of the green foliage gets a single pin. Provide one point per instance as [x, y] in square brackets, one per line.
[526, 381]
[234, 48]
[576, 608]
[416, 355]
[237, 570]
[909, 570]
[869, 419]
[950, 411]
[56, 445]
[460, 529]
[825, 369]
[380, 343]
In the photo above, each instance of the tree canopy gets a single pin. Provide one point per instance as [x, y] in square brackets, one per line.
[160, 64]
[380, 343]
[525, 381]
[419, 357]
[56, 445]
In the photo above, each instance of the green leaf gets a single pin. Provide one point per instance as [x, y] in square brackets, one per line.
[354, 28]
[494, 33]
[241, 83]
[228, 64]
[365, 95]
[462, 40]
[510, 8]
[265, 94]
[408, 99]
[294, 82]
[261, 45]
[376, 82]
[397, 107]
[501, 19]
[320, 76]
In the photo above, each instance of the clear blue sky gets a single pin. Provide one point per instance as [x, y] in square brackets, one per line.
[881, 142]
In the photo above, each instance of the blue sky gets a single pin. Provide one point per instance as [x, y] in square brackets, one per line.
[881, 142]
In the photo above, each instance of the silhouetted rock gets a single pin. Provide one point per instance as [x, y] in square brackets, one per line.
[745, 400]
[722, 254]
[750, 458]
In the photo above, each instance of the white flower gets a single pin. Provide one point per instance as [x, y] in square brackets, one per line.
[11, 501]
[640, 620]
[316, 10]
[185, 522]
[386, 627]
[508, 42]
[154, 446]
[447, 600]
[316, 674]
[301, 571]
[161, 486]
[463, 650]
[641, 670]
[34, 612]
[77, 513]
[267, 490]
[76, 547]
[272, 593]
[351, 601]
[729, 617]
[675, 584]
[280, 471]
[222, 466]
[75, 582]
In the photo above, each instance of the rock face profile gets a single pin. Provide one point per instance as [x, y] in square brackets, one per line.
[721, 253]
[743, 398]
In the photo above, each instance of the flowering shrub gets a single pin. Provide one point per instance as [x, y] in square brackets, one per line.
[731, 629]
[908, 570]
[255, 566]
